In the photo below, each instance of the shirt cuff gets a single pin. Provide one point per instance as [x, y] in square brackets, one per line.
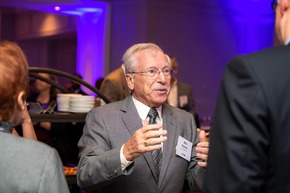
[124, 162]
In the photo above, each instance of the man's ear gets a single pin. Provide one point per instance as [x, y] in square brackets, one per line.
[130, 81]
[284, 27]
[284, 5]
[20, 100]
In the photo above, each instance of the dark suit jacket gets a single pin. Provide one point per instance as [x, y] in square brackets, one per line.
[29, 166]
[108, 127]
[250, 140]
[114, 86]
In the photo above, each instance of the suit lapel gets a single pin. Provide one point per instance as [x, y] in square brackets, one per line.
[131, 118]
[133, 122]
[168, 146]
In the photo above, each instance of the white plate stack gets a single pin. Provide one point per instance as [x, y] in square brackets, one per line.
[81, 104]
[63, 101]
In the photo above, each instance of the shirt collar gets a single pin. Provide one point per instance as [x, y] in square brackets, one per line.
[144, 109]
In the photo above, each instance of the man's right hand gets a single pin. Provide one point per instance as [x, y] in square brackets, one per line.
[144, 140]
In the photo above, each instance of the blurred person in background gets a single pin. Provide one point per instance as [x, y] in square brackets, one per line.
[53, 134]
[180, 94]
[45, 95]
[75, 87]
[99, 83]
[114, 85]
[26, 165]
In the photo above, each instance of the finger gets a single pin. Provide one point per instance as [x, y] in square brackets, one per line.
[148, 133]
[202, 156]
[203, 150]
[202, 164]
[147, 127]
[145, 122]
[155, 141]
[201, 136]
[150, 147]
[155, 133]
[140, 133]
[203, 144]
[153, 127]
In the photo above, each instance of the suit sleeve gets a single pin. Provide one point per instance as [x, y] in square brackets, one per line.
[53, 179]
[99, 165]
[195, 173]
[239, 137]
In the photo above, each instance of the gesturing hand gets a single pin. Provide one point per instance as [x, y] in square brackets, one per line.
[147, 138]
[202, 149]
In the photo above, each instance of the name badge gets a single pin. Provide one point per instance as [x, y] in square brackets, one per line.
[183, 100]
[183, 148]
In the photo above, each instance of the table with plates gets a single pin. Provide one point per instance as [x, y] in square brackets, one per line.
[75, 103]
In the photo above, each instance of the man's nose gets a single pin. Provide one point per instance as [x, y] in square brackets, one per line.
[161, 77]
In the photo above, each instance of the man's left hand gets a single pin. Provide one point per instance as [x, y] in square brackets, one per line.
[202, 149]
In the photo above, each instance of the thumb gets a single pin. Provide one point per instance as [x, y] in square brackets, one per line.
[201, 136]
[145, 122]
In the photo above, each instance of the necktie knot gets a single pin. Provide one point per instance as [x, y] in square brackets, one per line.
[152, 115]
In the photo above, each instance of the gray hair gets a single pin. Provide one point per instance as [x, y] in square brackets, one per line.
[129, 58]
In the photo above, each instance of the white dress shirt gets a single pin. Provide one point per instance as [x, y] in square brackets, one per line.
[143, 114]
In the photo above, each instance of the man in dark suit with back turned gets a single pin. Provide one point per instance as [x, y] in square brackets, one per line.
[121, 152]
[250, 146]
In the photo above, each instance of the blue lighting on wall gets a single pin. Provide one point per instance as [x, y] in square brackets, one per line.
[254, 24]
[92, 31]
[248, 26]
[77, 10]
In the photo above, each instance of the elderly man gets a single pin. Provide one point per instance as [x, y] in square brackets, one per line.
[250, 146]
[125, 149]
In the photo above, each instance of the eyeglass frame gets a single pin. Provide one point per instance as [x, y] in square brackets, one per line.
[156, 73]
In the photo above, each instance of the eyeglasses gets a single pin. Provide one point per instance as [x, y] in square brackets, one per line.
[274, 5]
[153, 73]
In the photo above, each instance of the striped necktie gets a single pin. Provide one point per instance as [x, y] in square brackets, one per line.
[156, 154]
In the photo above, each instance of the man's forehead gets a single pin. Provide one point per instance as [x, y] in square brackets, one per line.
[157, 65]
[153, 61]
